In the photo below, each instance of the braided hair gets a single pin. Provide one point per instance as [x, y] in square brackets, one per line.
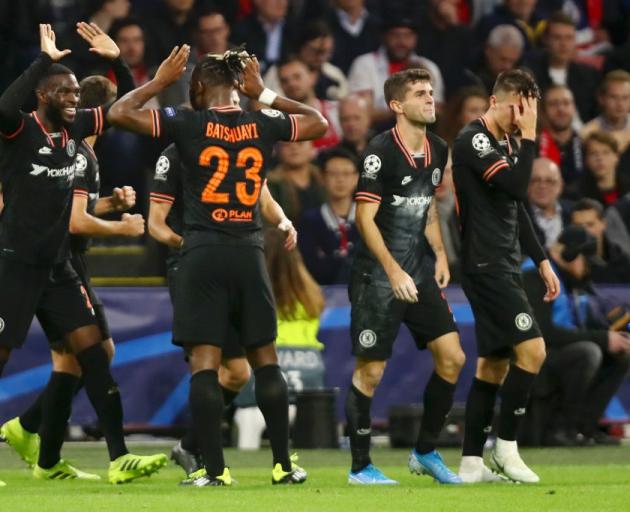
[221, 69]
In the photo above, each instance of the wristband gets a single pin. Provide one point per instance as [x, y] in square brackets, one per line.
[267, 97]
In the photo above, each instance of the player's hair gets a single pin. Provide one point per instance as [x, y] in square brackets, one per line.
[586, 203]
[339, 152]
[55, 69]
[123, 23]
[602, 138]
[313, 30]
[518, 81]
[96, 91]
[618, 75]
[559, 18]
[396, 85]
[291, 281]
[221, 69]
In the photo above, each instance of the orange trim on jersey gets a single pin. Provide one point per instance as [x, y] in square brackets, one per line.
[100, 116]
[89, 148]
[227, 108]
[427, 152]
[79, 192]
[15, 133]
[493, 169]
[401, 145]
[509, 145]
[41, 125]
[483, 122]
[152, 123]
[161, 198]
[360, 199]
[294, 128]
[367, 197]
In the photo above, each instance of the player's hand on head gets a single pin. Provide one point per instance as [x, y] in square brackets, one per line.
[123, 198]
[47, 41]
[99, 41]
[173, 67]
[552, 283]
[403, 286]
[290, 232]
[526, 116]
[252, 84]
[133, 224]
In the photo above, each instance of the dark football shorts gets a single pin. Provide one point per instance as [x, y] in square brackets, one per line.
[503, 316]
[376, 316]
[223, 297]
[52, 293]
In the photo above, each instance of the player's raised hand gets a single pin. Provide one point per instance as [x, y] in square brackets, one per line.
[173, 67]
[290, 232]
[133, 225]
[552, 283]
[252, 83]
[526, 116]
[124, 198]
[99, 41]
[403, 286]
[48, 44]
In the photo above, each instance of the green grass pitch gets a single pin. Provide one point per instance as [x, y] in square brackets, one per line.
[584, 479]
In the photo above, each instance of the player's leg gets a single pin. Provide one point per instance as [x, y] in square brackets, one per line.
[529, 358]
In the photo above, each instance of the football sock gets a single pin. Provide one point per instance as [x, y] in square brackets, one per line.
[228, 396]
[479, 413]
[31, 419]
[438, 400]
[359, 427]
[104, 396]
[206, 408]
[56, 406]
[514, 397]
[272, 397]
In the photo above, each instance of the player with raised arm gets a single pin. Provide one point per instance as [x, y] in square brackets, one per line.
[491, 175]
[35, 271]
[222, 281]
[402, 167]
[166, 222]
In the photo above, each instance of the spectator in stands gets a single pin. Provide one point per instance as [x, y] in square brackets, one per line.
[613, 249]
[586, 361]
[522, 14]
[129, 36]
[299, 304]
[106, 12]
[212, 35]
[555, 65]
[314, 46]
[446, 41]
[170, 23]
[267, 32]
[369, 71]
[502, 51]
[604, 180]
[354, 119]
[614, 101]
[355, 32]
[558, 140]
[296, 182]
[468, 104]
[549, 213]
[328, 234]
[298, 83]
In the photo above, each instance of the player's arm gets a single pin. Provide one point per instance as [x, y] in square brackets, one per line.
[531, 246]
[310, 124]
[125, 112]
[86, 224]
[121, 200]
[12, 99]
[402, 285]
[433, 234]
[273, 213]
[158, 228]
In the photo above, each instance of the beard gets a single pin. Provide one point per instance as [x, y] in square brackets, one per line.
[55, 115]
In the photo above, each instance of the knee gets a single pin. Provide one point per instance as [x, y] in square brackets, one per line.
[589, 354]
[234, 378]
[63, 362]
[449, 366]
[367, 377]
[492, 370]
[531, 357]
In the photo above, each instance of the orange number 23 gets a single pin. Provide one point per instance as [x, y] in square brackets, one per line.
[249, 158]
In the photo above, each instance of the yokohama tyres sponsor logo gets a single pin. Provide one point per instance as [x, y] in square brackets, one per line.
[64, 172]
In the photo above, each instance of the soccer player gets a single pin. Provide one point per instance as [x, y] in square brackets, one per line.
[389, 284]
[22, 432]
[36, 275]
[222, 280]
[165, 223]
[491, 175]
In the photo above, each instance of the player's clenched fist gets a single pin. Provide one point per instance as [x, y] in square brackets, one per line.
[133, 224]
[123, 198]
[403, 286]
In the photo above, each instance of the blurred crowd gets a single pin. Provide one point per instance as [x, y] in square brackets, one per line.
[336, 54]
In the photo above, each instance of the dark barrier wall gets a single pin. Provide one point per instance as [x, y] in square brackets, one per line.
[152, 374]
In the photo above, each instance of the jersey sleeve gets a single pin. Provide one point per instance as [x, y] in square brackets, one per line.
[89, 121]
[169, 123]
[481, 156]
[81, 186]
[277, 125]
[370, 187]
[166, 177]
